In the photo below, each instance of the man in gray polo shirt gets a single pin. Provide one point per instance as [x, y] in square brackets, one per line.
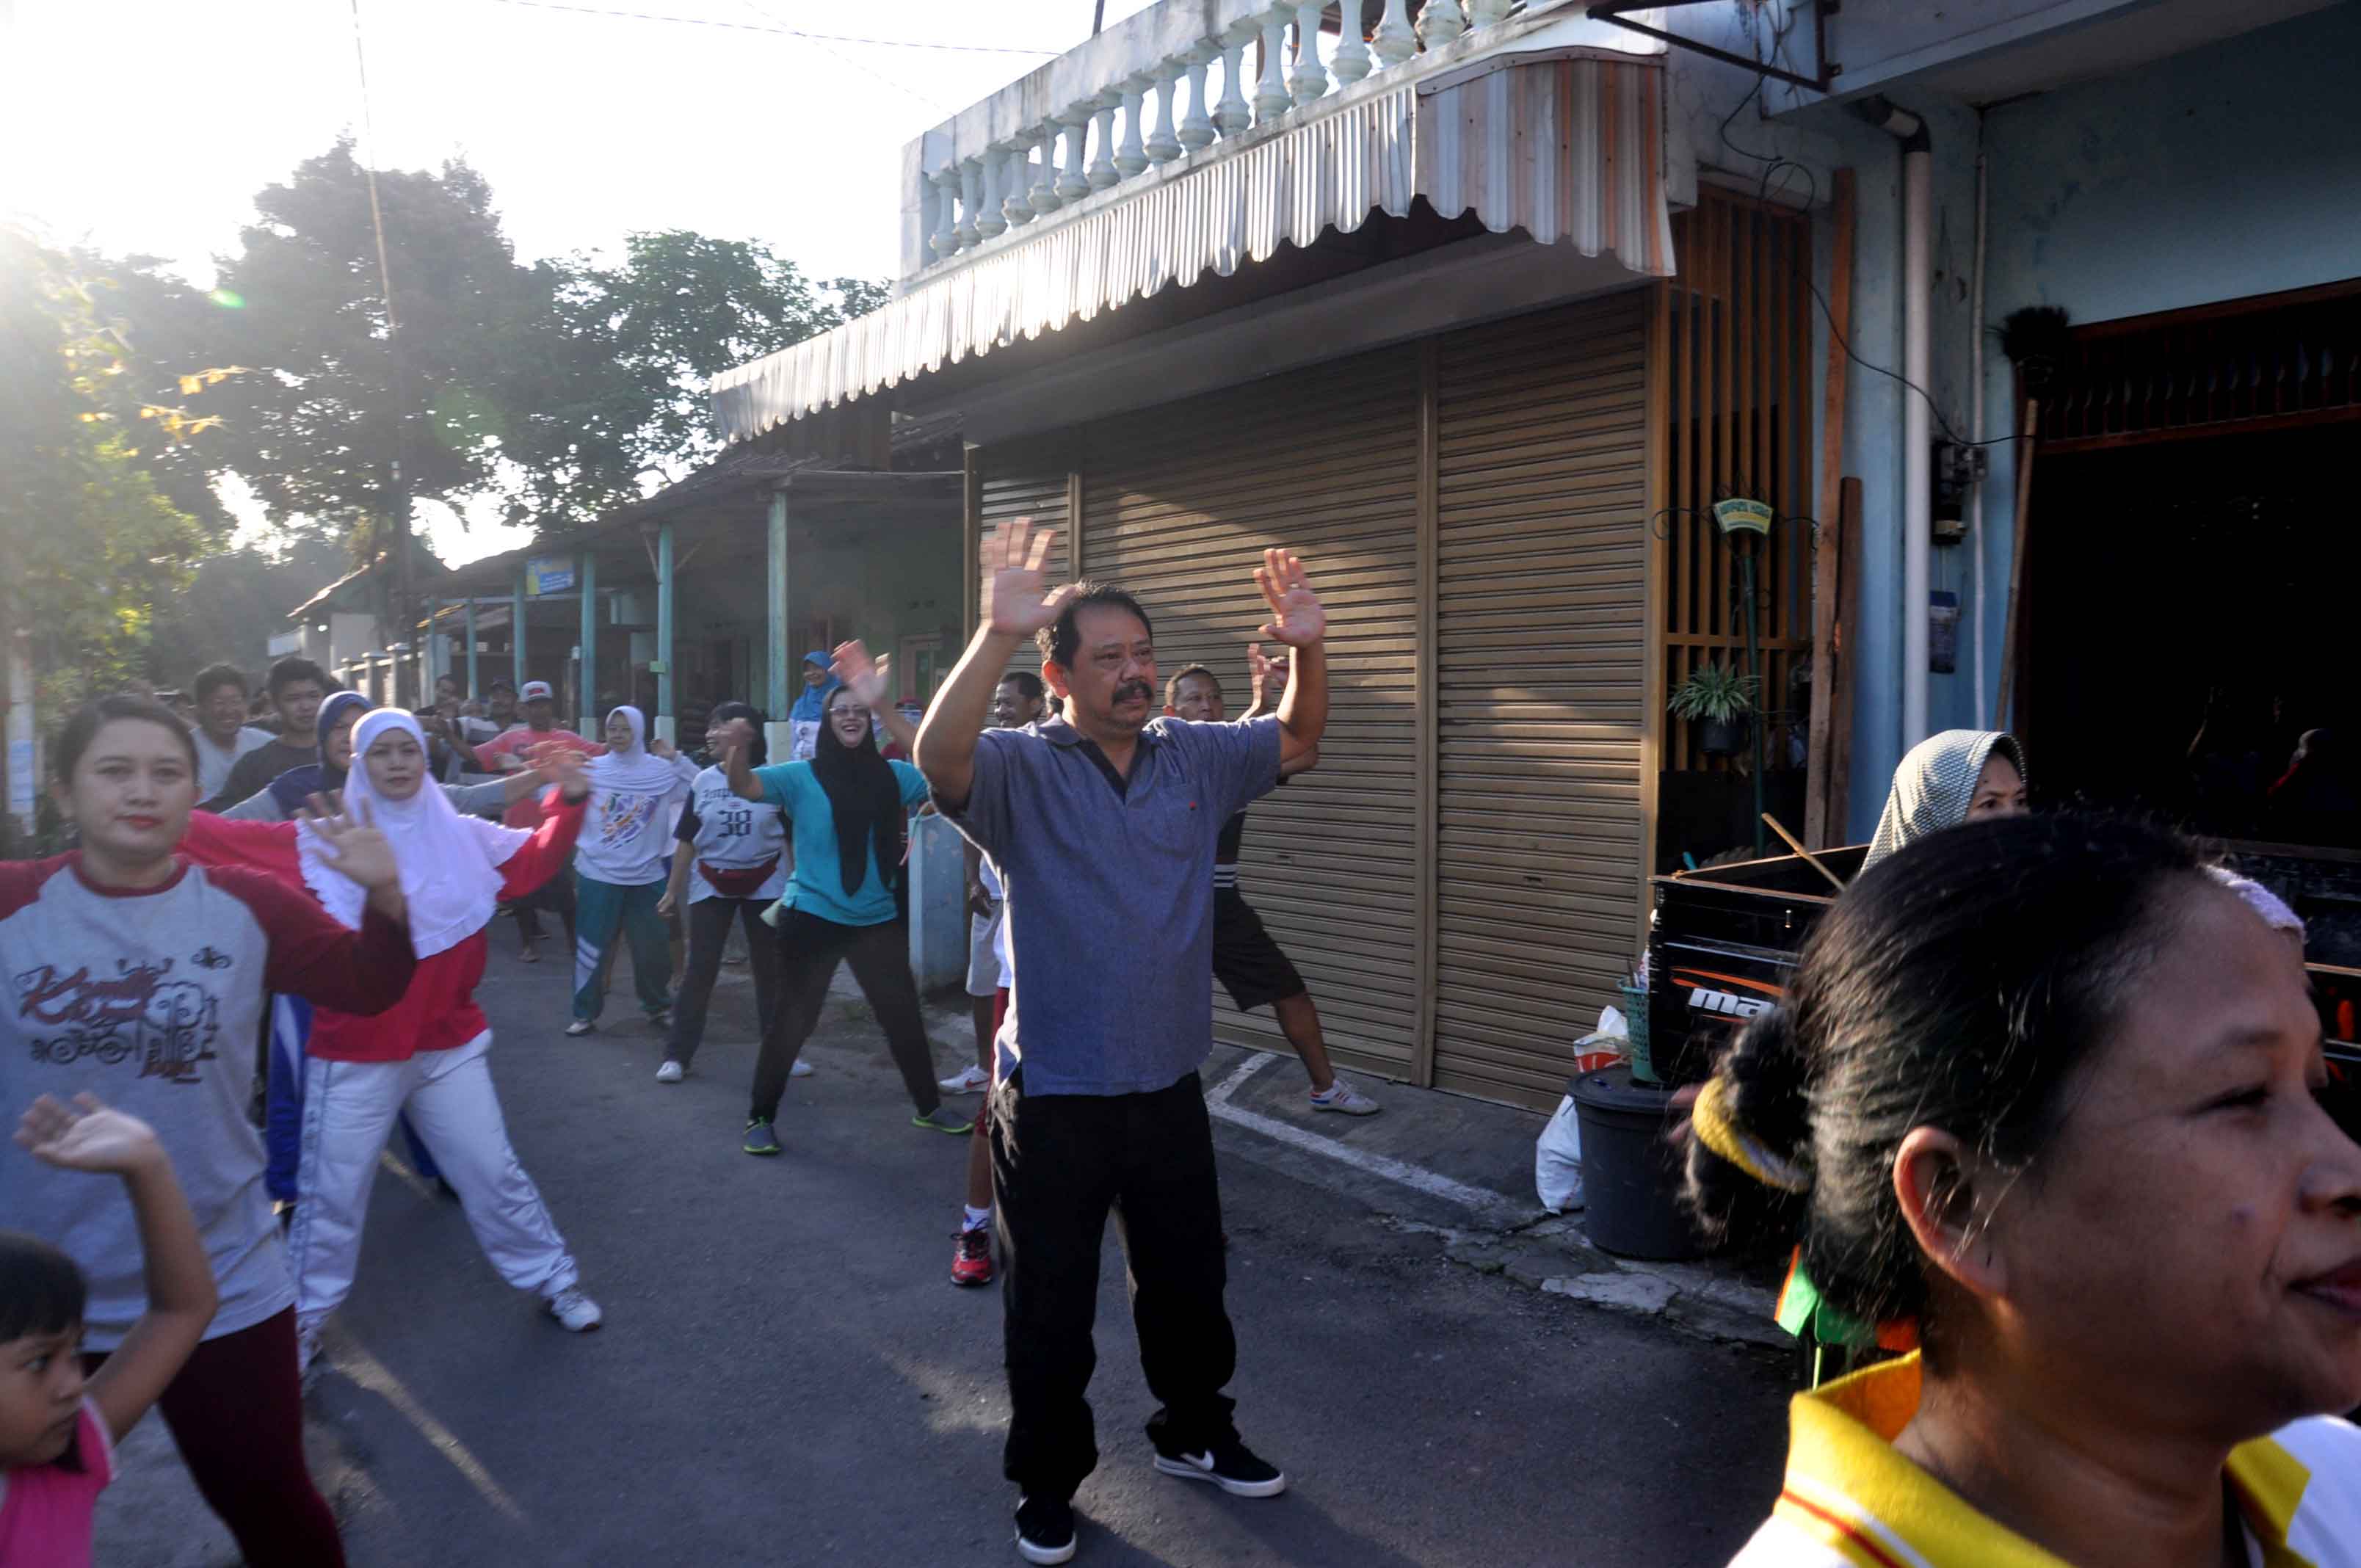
[1103, 822]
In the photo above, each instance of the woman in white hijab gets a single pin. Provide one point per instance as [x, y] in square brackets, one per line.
[428, 1055]
[1957, 777]
[621, 864]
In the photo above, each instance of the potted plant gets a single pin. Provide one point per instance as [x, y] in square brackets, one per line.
[1723, 700]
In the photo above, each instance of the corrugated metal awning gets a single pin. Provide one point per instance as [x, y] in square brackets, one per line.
[1569, 149]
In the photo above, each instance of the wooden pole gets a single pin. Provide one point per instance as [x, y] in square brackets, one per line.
[1818, 753]
[2016, 562]
[1840, 645]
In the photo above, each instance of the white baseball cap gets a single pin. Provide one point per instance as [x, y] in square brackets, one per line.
[536, 691]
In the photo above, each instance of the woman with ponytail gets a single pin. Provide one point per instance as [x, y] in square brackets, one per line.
[847, 809]
[2043, 1102]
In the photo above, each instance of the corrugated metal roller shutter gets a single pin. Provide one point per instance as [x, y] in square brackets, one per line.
[1178, 502]
[1541, 647]
[1028, 479]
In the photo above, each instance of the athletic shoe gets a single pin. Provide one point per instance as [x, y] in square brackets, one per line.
[1342, 1096]
[528, 954]
[940, 1120]
[1230, 1465]
[971, 1079]
[971, 1259]
[671, 1073]
[580, 1027]
[574, 1313]
[761, 1138]
[1045, 1530]
[662, 1019]
[801, 1069]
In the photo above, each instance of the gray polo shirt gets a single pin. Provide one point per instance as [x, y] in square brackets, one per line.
[1112, 889]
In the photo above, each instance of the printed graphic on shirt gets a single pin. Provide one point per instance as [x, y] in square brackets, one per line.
[139, 1016]
[622, 818]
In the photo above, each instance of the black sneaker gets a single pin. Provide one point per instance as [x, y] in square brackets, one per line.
[760, 1137]
[1045, 1530]
[1229, 1465]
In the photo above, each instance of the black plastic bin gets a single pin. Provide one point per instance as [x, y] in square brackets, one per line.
[1630, 1176]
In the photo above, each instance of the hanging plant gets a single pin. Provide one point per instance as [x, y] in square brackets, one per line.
[1721, 700]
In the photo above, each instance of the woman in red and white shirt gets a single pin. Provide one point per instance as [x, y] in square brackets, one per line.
[429, 1054]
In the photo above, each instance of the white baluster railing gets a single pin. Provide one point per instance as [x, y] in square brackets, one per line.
[1308, 83]
[996, 166]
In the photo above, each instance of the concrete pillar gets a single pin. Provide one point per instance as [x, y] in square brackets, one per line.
[586, 578]
[779, 733]
[475, 691]
[667, 713]
[516, 633]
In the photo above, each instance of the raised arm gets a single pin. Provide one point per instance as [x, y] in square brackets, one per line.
[1264, 673]
[1013, 608]
[872, 683]
[181, 1297]
[733, 747]
[1298, 619]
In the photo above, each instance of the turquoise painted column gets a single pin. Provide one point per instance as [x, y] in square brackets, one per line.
[665, 713]
[586, 578]
[516, 632]
[779, 733]
[475, 691]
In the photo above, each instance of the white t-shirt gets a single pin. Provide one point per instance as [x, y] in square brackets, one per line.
[731, 834]
[627, 833]
[214, 763]
[989, 875]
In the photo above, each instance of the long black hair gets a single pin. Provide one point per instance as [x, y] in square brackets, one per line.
[863, 797]
[1958, 984]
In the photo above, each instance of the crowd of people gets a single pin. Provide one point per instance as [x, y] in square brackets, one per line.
[2040, 1116]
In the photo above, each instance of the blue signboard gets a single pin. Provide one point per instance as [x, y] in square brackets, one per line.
[549, 573]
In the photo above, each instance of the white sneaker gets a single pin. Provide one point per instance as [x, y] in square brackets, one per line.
[801, 1069]
[671, 1073]
[574, 1313]
[971, 1079]
[1342, 1096]
[580, 1027]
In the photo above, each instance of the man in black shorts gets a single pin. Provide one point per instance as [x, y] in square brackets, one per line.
[1252, 967]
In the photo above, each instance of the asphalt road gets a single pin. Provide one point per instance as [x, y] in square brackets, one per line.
[786, 1374]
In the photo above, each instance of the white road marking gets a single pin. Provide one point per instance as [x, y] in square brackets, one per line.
[1433, 1184]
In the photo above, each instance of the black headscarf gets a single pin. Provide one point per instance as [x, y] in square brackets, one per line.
[865, 798]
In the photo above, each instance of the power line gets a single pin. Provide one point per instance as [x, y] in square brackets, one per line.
[784, 31]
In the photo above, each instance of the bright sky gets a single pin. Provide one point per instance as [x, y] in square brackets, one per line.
[148, 125]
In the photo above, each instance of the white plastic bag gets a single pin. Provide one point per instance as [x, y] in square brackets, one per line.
[1557, 1161]
[1608, 1046]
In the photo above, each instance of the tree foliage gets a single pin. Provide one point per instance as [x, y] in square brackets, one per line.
[90, 466]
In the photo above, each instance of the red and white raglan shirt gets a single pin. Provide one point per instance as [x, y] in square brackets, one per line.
[437, 1012]
[152, 999]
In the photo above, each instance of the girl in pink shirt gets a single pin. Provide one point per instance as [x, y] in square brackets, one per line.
[58, 1429]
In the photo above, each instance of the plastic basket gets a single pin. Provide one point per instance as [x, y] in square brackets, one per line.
[1635, 1019]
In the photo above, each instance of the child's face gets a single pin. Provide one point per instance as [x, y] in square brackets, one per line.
[41, 1393]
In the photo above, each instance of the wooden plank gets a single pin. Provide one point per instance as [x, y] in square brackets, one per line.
[1653, 721]
[1822, 816]
[1848, 624]
[1426, 817]
[1074, 530]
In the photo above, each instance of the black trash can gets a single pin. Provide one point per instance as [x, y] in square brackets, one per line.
[1630, 1176]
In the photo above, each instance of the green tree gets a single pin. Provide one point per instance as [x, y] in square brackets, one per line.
[91, 533]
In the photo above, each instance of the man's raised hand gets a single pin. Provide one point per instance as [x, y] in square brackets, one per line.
[867, 677]
[1014, 603]
[1297, 616]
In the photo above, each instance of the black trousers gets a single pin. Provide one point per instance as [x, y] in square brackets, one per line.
[809, 950]
[555, 895]
[1060, 1163]
[708, 933]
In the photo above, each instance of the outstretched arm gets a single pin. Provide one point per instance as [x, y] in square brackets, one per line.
[181, 1297]
[1298, 619]
[872, 683]
[1013, 608]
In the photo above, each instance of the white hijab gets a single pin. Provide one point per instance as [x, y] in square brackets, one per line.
[1936, 785]
[450, 864]
[632, 768]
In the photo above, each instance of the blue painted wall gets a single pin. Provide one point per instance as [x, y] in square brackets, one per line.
[2227, 172]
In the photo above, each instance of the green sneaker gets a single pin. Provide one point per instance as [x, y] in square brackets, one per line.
[943, 1120]
[761, 1138]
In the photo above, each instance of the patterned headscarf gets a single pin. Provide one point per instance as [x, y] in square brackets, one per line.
[1936, 785]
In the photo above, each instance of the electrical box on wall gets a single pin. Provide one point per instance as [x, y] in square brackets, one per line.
[1957, 469]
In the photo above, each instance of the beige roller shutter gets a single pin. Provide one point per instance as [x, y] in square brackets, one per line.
[1179, 503]
[1541, 654]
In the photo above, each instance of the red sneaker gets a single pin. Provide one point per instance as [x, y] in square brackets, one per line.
[971, 1261]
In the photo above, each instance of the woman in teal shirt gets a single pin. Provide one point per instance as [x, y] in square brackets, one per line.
[847, 809]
